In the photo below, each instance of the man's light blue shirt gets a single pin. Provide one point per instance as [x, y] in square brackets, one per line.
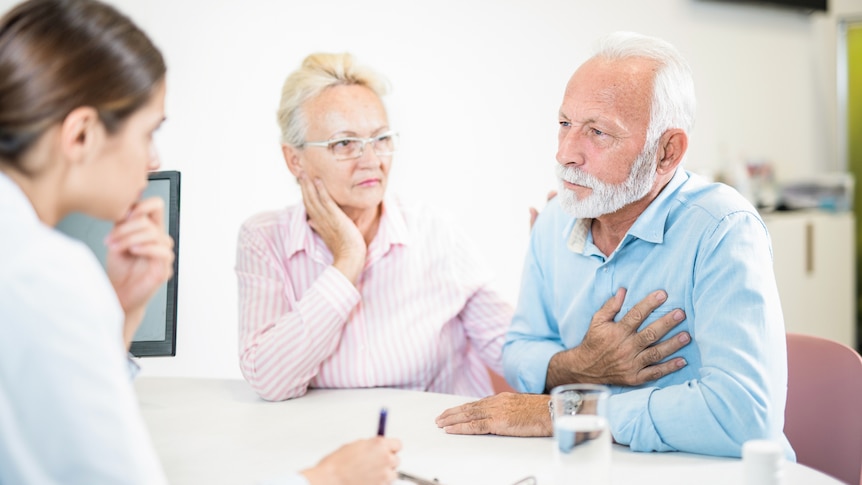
[708, 248]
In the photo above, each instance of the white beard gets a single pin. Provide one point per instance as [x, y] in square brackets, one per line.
[606, 198]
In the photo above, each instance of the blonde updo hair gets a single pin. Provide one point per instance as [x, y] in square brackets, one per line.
[317, 73]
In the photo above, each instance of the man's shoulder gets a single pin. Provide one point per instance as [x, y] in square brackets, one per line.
[551, 230]
[712, 198]
[552, 219]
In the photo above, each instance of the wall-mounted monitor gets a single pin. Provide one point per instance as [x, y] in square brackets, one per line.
[806, 6]
[157, 335]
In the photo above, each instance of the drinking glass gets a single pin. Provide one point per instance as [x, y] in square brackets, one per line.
[582, 437]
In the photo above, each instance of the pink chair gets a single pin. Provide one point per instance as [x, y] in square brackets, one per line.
[823, 416]
[499, 383]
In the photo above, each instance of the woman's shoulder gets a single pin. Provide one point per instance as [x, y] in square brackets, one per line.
[52, 274]
[274, 216]
[429, 226]
[44, 251]
[277, 220]
[420, 218]
[275, 232]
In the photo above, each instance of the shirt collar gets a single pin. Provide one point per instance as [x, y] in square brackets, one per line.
[393, 227]
[577, 231]
[301, 235]
[649, 226]
[14, 201]
[392, 231]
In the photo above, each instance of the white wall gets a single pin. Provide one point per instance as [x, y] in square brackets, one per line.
[477, 85]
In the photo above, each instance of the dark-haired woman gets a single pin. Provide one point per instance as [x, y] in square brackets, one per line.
[81, 92]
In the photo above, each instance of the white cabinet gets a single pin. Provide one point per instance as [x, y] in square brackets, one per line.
[815, 266]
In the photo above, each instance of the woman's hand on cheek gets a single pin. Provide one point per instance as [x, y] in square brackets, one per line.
[338, 232]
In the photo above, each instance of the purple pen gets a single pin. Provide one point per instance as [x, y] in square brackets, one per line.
[381, 427]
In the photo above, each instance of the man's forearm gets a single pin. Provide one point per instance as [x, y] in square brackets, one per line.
[564, 368]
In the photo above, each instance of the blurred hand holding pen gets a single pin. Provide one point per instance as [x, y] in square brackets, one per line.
[381, 431]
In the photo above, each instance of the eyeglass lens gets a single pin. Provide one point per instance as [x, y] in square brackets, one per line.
[347, 148]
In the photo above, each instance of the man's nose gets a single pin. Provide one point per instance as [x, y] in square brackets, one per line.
[569, 148]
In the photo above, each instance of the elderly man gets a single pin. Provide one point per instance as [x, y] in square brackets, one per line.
[678, 258]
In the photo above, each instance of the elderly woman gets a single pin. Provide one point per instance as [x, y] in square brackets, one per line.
[352, 288]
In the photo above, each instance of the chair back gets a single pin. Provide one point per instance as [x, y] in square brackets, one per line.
[499, 382]
[823, 415]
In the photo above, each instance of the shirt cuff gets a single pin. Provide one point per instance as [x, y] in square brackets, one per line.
[132, 366]
[338, 291]
[528, 367]
[631, 423]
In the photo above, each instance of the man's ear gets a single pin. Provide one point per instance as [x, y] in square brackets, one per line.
[671, 149]
[80, 134]
[292, 159]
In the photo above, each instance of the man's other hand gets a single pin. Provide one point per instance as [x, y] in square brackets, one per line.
[505, 414]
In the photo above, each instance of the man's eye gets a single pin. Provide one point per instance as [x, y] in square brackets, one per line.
[565, 124]
[597, 132]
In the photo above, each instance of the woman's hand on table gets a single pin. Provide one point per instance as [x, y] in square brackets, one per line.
[505, 414]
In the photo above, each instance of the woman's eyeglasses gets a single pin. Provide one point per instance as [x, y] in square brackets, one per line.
[350, 147]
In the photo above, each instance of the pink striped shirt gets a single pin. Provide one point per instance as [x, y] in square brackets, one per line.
[420, 317]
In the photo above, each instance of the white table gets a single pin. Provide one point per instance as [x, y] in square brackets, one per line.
[209, 431]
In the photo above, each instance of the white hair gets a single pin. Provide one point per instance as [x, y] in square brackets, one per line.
[673, 100]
